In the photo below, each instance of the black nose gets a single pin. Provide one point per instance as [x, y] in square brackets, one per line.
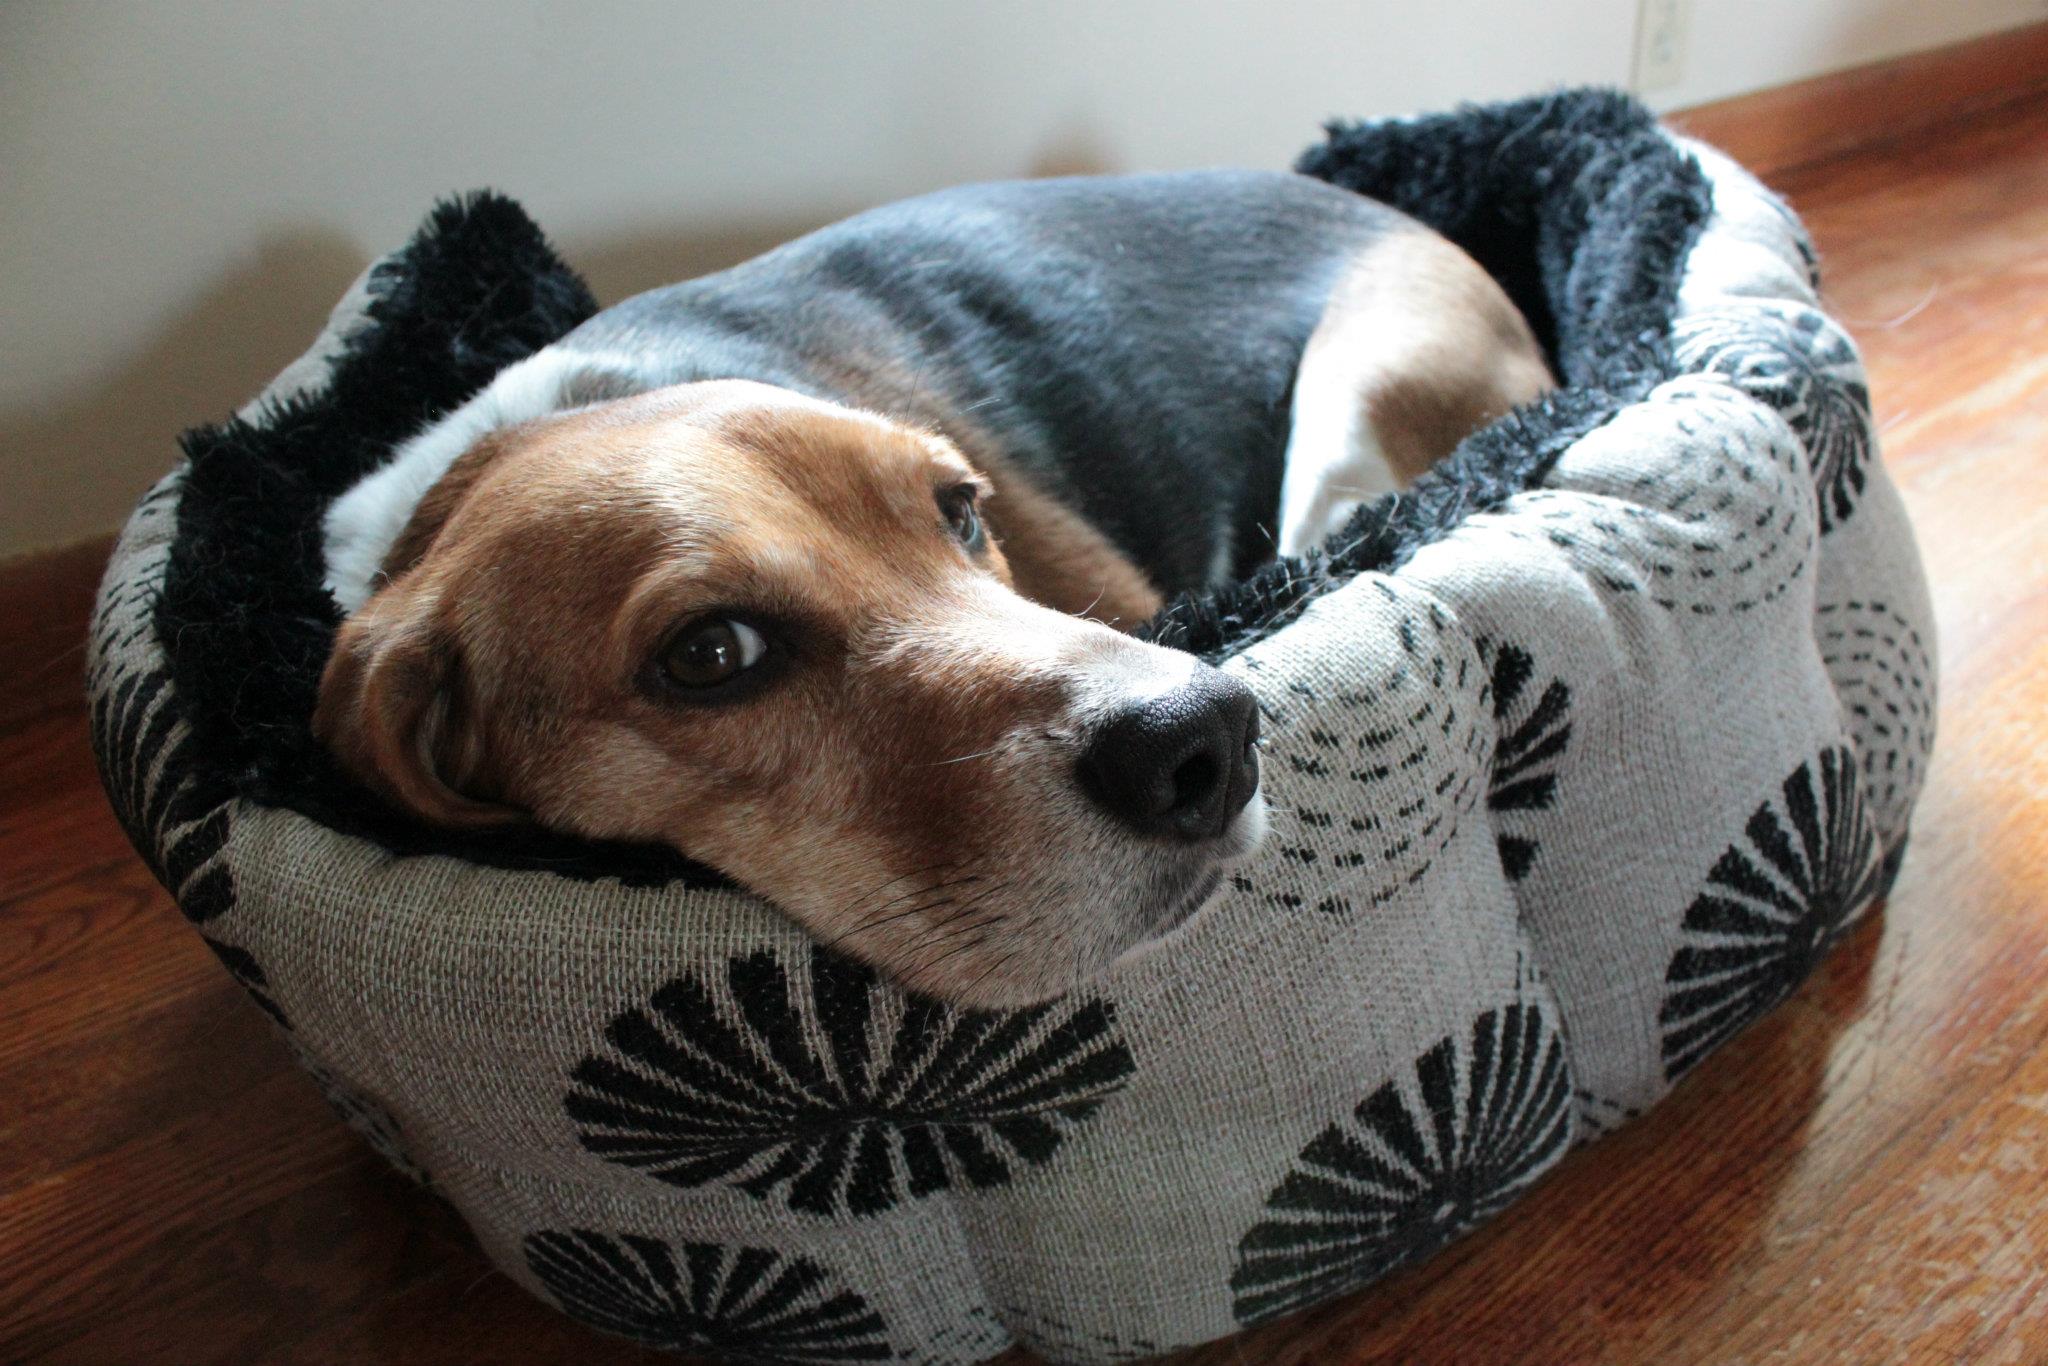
[1181, 764]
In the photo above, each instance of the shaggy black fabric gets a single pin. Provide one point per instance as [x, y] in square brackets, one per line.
[1573, 200]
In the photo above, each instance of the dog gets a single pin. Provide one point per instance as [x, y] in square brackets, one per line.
[811, 568]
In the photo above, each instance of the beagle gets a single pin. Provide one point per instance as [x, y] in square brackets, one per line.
[809, 568]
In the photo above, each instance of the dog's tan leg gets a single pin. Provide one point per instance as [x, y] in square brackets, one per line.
[1417, 347]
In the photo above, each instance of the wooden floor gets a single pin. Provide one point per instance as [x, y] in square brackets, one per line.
[1862, 1178]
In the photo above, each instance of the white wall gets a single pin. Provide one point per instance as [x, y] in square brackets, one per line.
[185, 188]
[188, 186]
[1736, 46]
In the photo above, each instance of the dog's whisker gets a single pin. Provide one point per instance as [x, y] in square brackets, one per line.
[979, 924]
[875, 923]
[961, 758]
[838, 940]
[997, 963]
[872, 923]
[955, 951]
[966, 921]
[926, 890]
[857, 902]
[931, 942]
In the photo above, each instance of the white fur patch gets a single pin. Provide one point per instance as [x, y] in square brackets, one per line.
[364, 523]
[1333, 460]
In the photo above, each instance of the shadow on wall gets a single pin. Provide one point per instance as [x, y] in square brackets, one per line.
[82, 457]
[86, 456]
[625, 265]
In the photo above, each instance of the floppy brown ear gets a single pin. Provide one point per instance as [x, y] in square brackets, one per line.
[393, 708]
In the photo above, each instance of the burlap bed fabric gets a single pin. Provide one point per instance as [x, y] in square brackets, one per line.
[1560, 803]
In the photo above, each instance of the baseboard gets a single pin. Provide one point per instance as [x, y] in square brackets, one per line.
[1773, 131]
[46, 602]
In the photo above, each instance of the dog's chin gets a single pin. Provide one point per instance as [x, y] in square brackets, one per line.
[1162, 918]
[1176, 897]
[1190, 894]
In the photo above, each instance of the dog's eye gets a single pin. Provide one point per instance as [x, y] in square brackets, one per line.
[711, 651]
[962, 515]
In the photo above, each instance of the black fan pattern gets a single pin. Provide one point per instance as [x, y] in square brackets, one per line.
[1774, 904]
[1600, 1116]
[1796, 360]
[1413, 1166]
[249, 974]
[178, 824]
[1802, 240]
[1535, 728]
[1881, 668]
[745, 1304]
[839, 1094]
[1372, 779]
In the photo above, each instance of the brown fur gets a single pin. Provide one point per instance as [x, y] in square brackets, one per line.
[1431, 345]
[1057, 558]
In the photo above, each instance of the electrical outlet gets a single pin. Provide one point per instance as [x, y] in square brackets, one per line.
[1661, 27]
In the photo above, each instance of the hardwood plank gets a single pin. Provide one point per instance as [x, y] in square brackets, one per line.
[54, 821]
[75, 1098]
[88, 956]
[45, 600]
[98, 1235]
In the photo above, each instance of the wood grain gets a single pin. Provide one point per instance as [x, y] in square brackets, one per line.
[1862, 1178]
[42, 648]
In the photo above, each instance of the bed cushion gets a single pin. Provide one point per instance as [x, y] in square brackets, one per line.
[1581, 755]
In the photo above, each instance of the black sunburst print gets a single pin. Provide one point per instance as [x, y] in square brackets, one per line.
[744, 1304]
[1802, 240]
[1534, 730]
[1716, 524]
[1414, 1166]
[1774, 904]
[178, 824]
[1795, 359]
[835, 1093]
[1600, 1115]
[249, 975]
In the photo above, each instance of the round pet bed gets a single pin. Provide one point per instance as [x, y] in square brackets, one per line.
[1581, 755]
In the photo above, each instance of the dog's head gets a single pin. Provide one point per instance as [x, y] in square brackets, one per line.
[777, 635]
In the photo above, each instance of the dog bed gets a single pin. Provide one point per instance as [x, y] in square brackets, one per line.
[1581, 755]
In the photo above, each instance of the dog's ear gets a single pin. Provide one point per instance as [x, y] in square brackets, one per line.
[395, 709]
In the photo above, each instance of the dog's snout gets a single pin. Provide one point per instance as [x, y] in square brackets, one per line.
[1181, 764]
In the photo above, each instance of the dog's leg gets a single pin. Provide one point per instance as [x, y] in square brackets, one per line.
[1416, 348]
